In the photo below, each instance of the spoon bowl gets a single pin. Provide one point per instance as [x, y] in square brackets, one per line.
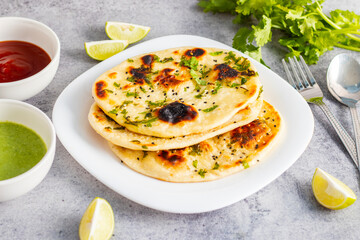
[343, 79]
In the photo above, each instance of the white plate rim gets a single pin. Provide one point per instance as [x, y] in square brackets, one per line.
[85, 145]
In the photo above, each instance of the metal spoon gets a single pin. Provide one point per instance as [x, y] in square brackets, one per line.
[343, 80]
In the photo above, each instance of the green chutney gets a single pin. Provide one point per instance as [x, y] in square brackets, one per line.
[20, 149]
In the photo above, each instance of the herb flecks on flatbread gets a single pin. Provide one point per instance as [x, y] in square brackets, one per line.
[214, 83]
[210, 159]
[119, 135]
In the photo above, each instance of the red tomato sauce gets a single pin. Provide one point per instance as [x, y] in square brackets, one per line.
[19, 60]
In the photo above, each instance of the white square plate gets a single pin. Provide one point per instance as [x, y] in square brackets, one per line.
[92, 151]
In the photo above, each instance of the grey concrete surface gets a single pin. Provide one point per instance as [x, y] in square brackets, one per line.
[285, 209]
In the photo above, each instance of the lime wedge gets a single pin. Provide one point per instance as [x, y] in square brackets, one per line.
[126, 31]
[97, 221]
[101, 50]
[331, 192]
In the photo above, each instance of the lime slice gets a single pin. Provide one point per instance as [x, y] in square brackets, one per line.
[125, 31]
[331, 192]
[97, 221]
[101, 50]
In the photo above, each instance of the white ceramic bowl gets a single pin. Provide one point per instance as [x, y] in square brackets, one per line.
[28, 30]
[33, 118]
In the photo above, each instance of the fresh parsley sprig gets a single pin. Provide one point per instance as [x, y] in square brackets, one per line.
[307, 31]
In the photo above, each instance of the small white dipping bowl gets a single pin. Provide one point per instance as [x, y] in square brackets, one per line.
[28, 30]
[33, 118]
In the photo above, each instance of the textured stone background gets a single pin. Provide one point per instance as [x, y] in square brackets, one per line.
[285, 209]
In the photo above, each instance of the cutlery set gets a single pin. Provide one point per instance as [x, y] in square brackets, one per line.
[343, 80]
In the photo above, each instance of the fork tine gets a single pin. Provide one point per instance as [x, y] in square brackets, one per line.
[307, 70]
[305, 81]
[297, 78]
[287, 71]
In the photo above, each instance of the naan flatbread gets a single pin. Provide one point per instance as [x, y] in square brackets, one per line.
[177, 92]
[119, 135]
[211, 159]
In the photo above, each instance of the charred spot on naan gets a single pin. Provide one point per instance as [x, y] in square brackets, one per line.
[148, 60]
[100, 89]
[139, 74]
[224, 71]
[166, 79]
[252, 89]
[171, 159]
[252, 135]
[205, 146]
[248, 72]
[195, 52]
[127, 86]
[112, 75]
[177, 112]
[98, 114]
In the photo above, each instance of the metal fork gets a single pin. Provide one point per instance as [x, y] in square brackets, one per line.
[305, 83]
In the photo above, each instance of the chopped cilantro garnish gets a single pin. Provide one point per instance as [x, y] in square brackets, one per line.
[192, 63]
[116, 84]
[147, 114]
[216, 166]
[132, 94]
[125, 103]
[108, 128]
[196, 78]
[194, 163]
[245, 164]
[117, 108]
[149, 76]
[195, 150]
[142, 89]
[124, 111]
[216, 53]
[243, 66]
[165, 60]
[147, 123]
[204, 72]
[202, 173]
[200, 95]
[234, 85]
[144, 147]
[156, 58]
[217, 87]
[130, 60]
[131, 79]
[231, 56]
[210, 109]
[243, 81]
[114, 111]
[159, 103]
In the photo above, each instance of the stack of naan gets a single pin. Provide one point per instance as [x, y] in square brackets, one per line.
[184, 115]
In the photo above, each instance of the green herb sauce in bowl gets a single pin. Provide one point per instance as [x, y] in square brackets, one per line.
[20, 149]
[27, 148]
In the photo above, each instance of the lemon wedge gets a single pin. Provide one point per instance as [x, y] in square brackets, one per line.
[331, 192]
[97, 222]
[101, 50]
[126, 31]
